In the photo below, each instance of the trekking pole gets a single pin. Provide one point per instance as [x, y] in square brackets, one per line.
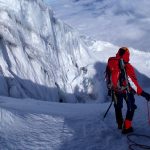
[107, 110]
[148, 112]
[114, 98]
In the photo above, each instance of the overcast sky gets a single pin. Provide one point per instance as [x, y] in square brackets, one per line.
[121, 22]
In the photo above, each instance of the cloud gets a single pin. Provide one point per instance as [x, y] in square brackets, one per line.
[119, 22]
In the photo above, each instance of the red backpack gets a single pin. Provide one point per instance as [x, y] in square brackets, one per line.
[113, 73]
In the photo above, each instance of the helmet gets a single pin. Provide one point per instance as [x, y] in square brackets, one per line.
[123, 53]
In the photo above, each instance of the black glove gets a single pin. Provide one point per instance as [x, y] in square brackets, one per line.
[146, 95]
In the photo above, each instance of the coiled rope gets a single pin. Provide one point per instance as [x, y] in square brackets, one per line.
[133, 145]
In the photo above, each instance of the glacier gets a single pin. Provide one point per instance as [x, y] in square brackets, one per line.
[42, 57]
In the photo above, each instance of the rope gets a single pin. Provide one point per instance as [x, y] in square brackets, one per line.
[133, 145]
[148, 112]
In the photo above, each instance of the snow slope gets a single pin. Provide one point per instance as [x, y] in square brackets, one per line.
[34, 125]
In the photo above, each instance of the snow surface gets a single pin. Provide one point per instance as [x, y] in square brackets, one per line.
[31, 124]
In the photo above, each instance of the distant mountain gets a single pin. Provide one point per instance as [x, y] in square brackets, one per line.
[124, 23]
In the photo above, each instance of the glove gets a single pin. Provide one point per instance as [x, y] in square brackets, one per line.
[146, 95]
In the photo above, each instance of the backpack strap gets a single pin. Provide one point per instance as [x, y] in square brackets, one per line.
[123, 71]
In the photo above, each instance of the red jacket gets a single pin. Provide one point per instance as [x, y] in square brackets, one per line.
[130, 73]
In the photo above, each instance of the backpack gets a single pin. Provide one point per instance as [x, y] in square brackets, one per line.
[115, 74]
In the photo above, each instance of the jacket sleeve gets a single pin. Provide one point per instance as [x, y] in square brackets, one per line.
[133, 79]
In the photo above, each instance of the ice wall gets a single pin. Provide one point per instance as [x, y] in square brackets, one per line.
[40, 56]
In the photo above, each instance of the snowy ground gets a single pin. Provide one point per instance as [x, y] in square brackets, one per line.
[37, 125]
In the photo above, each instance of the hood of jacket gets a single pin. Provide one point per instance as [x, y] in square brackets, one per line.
[125, 56]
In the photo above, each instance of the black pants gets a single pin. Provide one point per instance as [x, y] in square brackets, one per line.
[118, 104]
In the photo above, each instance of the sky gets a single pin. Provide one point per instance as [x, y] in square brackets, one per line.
[124, 22]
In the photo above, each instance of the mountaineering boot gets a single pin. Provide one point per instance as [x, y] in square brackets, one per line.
[126, 131]
[127, 127]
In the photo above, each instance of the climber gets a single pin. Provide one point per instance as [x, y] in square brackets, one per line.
[122, 84]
